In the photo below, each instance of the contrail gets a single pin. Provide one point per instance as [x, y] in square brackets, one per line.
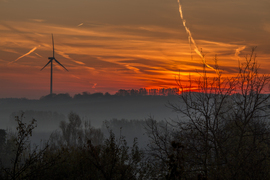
[32, 50]
[80, 24]
[67, 57]
[238, 50]
[94, 86]
[38, 55]
[191, 40]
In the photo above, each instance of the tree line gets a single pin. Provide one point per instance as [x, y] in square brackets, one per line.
[119, 93]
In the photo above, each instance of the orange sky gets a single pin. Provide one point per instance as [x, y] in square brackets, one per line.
[109, 45]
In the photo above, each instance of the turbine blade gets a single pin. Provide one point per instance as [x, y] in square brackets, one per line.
[53, 44]
[46, 64]
[60, 64]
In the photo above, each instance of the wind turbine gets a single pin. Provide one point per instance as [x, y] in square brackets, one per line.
[51, 61]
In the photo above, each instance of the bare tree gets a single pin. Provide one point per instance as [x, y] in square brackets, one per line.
[26, 162]
[223, 130]
[76, 132]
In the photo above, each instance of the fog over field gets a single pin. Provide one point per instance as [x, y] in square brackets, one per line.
[49, 112]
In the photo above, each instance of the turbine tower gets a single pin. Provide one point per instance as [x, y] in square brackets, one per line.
[51, 61]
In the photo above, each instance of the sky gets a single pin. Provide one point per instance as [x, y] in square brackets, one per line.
[109, 45]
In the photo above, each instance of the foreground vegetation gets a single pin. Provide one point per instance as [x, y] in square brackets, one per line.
[223, 132]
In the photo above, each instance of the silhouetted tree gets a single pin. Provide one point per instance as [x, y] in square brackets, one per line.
[225, 135]
[3, 135]
[26, 162]
[75, 132]
[114, 160]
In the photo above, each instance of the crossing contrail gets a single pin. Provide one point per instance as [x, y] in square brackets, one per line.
[32, 50]
[94, 86]
[238, 50]
[191, 40]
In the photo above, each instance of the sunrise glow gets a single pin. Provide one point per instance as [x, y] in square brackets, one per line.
[107, 46]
